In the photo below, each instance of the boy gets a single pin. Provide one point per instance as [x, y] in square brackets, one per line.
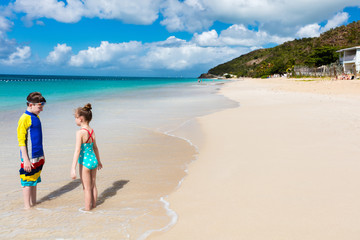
[29, 135]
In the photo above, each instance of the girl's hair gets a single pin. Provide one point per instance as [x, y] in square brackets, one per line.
[35, 97]
[85, 112]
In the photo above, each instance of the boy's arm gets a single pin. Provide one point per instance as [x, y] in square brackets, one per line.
[25, 157]
[23, 126]
[76, 155]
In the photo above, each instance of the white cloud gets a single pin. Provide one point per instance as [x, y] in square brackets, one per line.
[60, 55]
[240, 35]
[277, 21]
[311, 30]
[10, 52]
[21, 55]
[209, 38]
[40, 23]
[237, 35]
[5, 25]
[35, 9]
[275, 16]
[7, 47]
[336, 21]
[187, 56]
[172, 54]
[278, 17]
[207, 48]
[107, 54]
[169, 42]
[129, 11]
[189, 15]
[314, 30]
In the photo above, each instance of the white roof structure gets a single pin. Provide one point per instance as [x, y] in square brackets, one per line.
[350, 59]
[347, 49]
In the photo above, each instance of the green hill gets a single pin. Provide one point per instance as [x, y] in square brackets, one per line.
[310, 52]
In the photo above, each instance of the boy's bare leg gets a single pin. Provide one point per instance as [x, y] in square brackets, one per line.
[33, 195]
[26, 194]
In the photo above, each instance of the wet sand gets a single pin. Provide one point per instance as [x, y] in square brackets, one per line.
[143, 162]
[137, 173]
[283, 165]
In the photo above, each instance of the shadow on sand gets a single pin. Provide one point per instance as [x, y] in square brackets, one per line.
[111, 191]
[58, 192]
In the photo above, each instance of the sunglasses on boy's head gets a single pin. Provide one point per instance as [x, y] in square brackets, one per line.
[40, 103]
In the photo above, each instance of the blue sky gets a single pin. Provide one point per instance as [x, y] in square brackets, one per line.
[168, 38]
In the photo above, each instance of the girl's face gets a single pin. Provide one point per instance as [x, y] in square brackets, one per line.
[78, 119]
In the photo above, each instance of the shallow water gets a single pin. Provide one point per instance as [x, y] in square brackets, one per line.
[143, 162]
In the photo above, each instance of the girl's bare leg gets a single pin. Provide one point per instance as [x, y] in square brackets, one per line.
[86, 180]
[94, 189]
[80, 173]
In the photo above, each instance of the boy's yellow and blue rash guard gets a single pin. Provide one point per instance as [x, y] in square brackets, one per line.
[30, 135]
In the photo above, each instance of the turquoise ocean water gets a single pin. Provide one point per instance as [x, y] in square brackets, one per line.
[136, 121]
[15, 88]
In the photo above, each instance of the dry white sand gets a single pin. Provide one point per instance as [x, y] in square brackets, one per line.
[284, 165]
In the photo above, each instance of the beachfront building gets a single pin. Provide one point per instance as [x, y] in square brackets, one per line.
[350, 60]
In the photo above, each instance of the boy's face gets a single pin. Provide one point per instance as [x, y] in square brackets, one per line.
[36, 108]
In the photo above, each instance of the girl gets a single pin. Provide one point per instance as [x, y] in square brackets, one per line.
[87, 154]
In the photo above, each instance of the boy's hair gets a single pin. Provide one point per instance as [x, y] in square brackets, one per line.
[85, 112]
[35, 97]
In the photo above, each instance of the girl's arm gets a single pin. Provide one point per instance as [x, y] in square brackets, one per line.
[76, 154]
[96, 151]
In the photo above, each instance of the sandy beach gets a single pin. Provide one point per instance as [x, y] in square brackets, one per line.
[283, 165]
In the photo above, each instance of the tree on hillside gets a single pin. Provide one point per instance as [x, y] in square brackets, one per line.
[311, 52]
[322, 56]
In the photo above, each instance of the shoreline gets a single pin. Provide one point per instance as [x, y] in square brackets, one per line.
[171, 213]
[190, 132]
[143, 162]
[182, 133]
[246, 180]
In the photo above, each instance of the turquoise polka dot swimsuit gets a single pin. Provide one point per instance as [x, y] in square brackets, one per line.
[87, 156]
